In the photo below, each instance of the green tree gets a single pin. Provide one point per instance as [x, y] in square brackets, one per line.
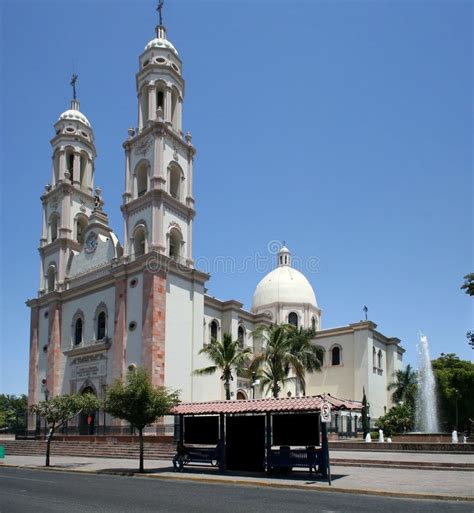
[13, 413]
[455, 384]
[138, 402]
[226, 356]
[61, 409]
[398, 419]
[468, 285]
[286, 350]
[404, 386]
[365, 413]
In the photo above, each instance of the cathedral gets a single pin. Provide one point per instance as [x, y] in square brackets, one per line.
[105, 306]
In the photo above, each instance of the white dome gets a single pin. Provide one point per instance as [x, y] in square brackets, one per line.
[283, 285]
[160, 42]
[75, 115]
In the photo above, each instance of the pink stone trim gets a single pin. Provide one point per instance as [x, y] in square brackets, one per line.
[153, 328]
[33, 366]
[53, 377]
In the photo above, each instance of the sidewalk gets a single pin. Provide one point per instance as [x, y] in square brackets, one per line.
[429, 484]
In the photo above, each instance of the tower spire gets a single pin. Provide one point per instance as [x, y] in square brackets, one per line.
[74, 102]
[160, 28]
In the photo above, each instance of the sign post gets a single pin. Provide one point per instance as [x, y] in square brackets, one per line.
[325, 419]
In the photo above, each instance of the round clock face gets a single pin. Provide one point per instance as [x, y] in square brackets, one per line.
[91, 243]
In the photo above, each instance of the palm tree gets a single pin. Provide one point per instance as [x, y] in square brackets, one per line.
[225, 356]
[404, 386]
[285, 349]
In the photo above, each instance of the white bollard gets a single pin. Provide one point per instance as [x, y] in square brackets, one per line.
[368, 438]
[389, 440]
[454, 437]
[380, 436]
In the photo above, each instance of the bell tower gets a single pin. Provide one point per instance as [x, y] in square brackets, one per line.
[68, 200]
[158, 204]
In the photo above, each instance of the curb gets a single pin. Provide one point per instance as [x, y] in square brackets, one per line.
[251, 482]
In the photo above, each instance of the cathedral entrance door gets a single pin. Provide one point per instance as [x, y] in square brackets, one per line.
[87, 420]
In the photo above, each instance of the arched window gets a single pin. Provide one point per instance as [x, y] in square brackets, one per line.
[51, 278]
[322, 352]
[241, 336]
[213, 327]
[81, 224]
[78, 331]
[54, 227]
[379, 359]
[313, 323]
[175, 244]
[142, 178]
[374, 357]
[139, 242]
[293, 319]
[160, 99]
[336, 356]
[241, 396]
[101, 326]
[175, 182]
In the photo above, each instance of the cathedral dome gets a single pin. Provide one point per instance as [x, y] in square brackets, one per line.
[283, 285]
[74, 115]
[160, 42]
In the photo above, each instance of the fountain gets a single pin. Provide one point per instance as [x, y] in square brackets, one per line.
[426, 413]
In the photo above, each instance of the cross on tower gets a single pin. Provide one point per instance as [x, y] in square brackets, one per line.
[73, 83]
[159, 9]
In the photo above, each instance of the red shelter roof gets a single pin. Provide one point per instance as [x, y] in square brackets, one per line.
[266, 405]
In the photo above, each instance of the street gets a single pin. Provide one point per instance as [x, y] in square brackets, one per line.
[24, 491]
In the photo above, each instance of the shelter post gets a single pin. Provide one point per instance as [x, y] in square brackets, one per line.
[221, 445]
[268, 438]
[181, 429]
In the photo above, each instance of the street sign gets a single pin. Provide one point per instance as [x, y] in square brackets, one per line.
[325, 412]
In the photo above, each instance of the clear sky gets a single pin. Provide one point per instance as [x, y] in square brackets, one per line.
[343, 128]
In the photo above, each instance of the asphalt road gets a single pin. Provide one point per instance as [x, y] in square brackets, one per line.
[25, 491]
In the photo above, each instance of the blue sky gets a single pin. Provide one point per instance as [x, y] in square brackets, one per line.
[343, 128]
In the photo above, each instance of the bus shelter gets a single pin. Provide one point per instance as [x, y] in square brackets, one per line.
[259, 434]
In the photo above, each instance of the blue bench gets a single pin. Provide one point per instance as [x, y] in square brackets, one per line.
[201, 455]
[286, 458]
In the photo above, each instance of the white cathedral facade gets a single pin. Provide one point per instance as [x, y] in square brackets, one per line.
[104, 307]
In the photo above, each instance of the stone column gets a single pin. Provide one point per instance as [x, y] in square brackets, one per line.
[179, 114]
[151, 101]
[62, 165]
[168, 101]
[140, 112]
[33, 384]
[153, 331]
[120, 329]
[128, 187]
[190, 240]
[88, 177]
[76, 174]
[53, 377]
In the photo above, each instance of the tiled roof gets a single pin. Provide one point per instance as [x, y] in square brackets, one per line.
[266, 405]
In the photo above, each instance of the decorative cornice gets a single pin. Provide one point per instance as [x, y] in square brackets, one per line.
[156, 197]
[65, 188]
[92, 348]
[159, 128]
